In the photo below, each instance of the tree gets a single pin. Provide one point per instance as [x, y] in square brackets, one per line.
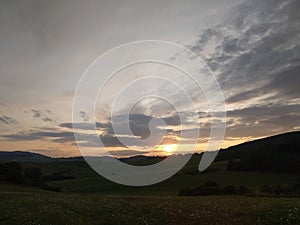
[33, 173]
[13, 172]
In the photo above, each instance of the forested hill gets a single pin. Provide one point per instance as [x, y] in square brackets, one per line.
[276, 153]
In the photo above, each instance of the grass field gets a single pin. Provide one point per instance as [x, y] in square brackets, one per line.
[87, 181]
[61, 208]
[91, 199]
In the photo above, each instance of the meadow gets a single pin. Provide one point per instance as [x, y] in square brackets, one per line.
[60, 208]
[91, 199]
[88, 181]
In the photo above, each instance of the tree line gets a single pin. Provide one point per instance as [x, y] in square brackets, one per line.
[13, 172]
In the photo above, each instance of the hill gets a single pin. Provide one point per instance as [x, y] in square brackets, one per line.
[276, 153]
[22, 156]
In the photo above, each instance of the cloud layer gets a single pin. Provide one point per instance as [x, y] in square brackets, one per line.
[254, 52]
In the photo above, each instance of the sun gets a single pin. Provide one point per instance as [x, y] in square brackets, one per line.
[169, 148]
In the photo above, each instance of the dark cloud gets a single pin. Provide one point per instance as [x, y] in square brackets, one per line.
[139, 125]
[264, 120]
[255, 51]
[44, 115]
[84, 116]
[7, 120]
[128, 152]
[36, 113]
[253, 121]
[37, 135]
[139, 128]
[85, 126]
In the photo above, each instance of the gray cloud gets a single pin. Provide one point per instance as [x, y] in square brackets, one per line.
[7, 120]
[44, 115]
[253, 121]
[256, 51]
[139, 125]
[84, 116]
[264, 120]
[38, 135]
[85, 126]
[128, 152]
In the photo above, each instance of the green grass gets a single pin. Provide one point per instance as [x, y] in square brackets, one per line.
[62, 208]
[87, 181]
[91, 199]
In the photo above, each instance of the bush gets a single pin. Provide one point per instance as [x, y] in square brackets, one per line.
[244, 190]
[212, 188]
[61, 175]
[275, 189]
[211, 184]
[2, 178]
[13, 172]
[33, 173]
[230, 190]
[50, 188]
[297, 185]
[206, 190]
[186, 191]
[234, 165]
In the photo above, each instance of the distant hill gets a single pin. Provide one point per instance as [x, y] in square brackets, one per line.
[276, 153]
[141, 160]
[22, 156]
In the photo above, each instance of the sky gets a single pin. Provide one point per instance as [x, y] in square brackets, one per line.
[252, 47]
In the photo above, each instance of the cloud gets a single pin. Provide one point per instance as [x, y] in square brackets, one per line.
[252, 121]
[139, 125]
[138, 135]
[128, 152]
[44, 115]
[255, 54]
[7, 120]
[84, 116]
[255, 51]
[85, 126]
[257, 121]
[38, 135]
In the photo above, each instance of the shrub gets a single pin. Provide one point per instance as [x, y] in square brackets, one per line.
[243, 190]
[206, 190]
[33, 173]
[233, 165]
[212, 188]
[13, 172]
[297, 185]
[2, 178]
[211, 184]
[275, 189]
[61, 175]
[50, 188]
[186, 191]
[230, 190]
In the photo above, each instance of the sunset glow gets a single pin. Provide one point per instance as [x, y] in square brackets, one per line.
[169, 148]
